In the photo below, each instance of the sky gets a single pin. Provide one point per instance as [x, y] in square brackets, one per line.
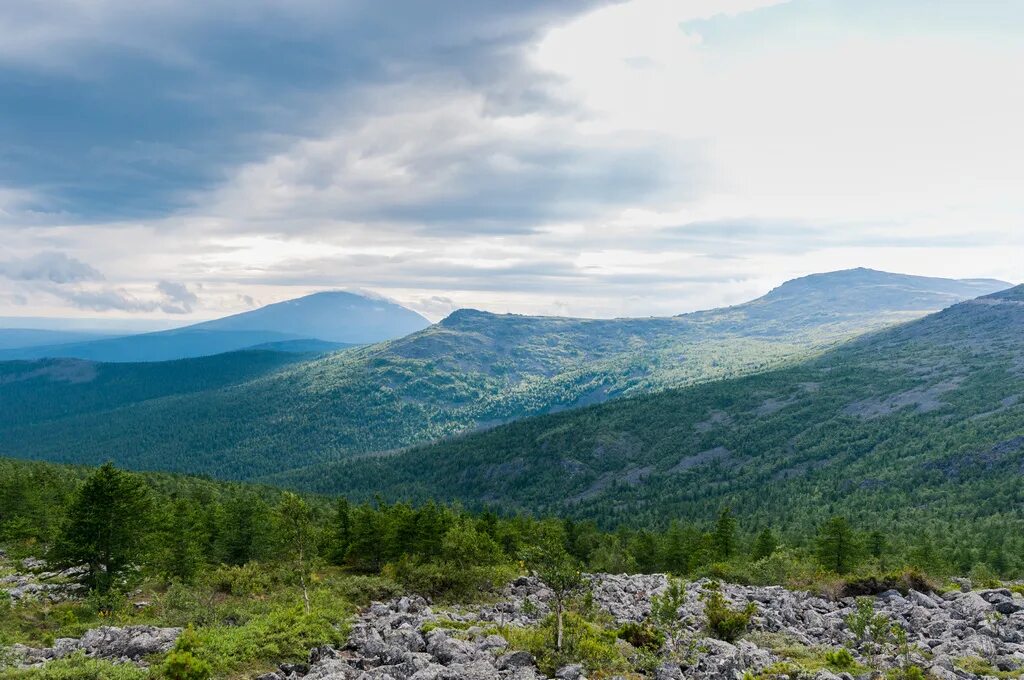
[177, 161]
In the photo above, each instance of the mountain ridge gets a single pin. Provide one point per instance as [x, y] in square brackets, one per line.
[337, 317]
[434, 383]
[931, 410]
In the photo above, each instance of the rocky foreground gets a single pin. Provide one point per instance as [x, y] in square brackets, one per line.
[407, 639]
[389, 642]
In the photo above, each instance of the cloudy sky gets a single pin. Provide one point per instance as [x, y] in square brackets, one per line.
[183, 160]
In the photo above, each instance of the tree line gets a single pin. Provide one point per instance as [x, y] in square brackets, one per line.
[118, 525]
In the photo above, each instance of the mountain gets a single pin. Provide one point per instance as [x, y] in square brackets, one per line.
[472, 370]
[335, 319]
[920, 422]
[334, 316]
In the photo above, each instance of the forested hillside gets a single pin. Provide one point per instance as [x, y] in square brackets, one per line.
[54, 389]
[921, 425]
[473, 369]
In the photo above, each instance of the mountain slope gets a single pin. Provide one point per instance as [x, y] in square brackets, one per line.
[472, 370]
[337, 318]
[53, 389]
[925, 420]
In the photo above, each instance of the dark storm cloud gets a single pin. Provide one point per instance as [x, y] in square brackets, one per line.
[118, 109]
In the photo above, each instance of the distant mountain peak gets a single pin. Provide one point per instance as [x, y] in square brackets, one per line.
[310, 323]
[333, 315]
[466, 315]
[861, 282]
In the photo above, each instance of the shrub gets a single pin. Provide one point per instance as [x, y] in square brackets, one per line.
[185, 666]
[585, 642]
[865, 623]
[361, 590]
[442, 578]
[181, 662]
[723, 621]
[840, 659]
[665, 607]
[903, 581]
[642, 636]
[245, 580]
[78, 667]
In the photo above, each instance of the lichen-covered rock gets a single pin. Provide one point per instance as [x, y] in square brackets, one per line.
[131, 643]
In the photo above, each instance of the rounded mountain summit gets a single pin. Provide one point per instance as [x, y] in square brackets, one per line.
[334, 316]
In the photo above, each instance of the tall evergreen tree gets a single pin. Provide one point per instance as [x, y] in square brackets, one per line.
[724, 535]
[764, 545]
[837, 546]
[108, 526]
[183, 541]
[342, 534]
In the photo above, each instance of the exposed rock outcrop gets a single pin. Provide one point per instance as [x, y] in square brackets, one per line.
[128, 644]
[406, 639]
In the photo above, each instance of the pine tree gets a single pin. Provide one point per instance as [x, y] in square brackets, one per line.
[342, 530]
[183, 541]
[108, 526]
[837, 546]
[877, 544]
[724, 535]
[764, 545]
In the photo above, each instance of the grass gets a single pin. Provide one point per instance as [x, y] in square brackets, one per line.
[591, 643]
[77, 668]
[240, 629]
[798, 657]
[979, 666]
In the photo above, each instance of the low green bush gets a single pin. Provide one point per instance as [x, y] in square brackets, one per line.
[873, 584]
[448, 580]
[181, 663]
[252, 578]
[723, 621]
[77, 667]
[587, 643]
[840, 659]
[642, 636]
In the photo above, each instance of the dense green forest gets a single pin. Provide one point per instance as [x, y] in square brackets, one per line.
[918, 430]
[472, 370]
[258, 576]
[116, 522]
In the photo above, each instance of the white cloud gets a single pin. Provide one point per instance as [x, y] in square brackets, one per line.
[648, 157]
[54, 267]
[827, 125]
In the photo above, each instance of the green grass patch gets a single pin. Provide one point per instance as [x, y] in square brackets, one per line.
[77, 667]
